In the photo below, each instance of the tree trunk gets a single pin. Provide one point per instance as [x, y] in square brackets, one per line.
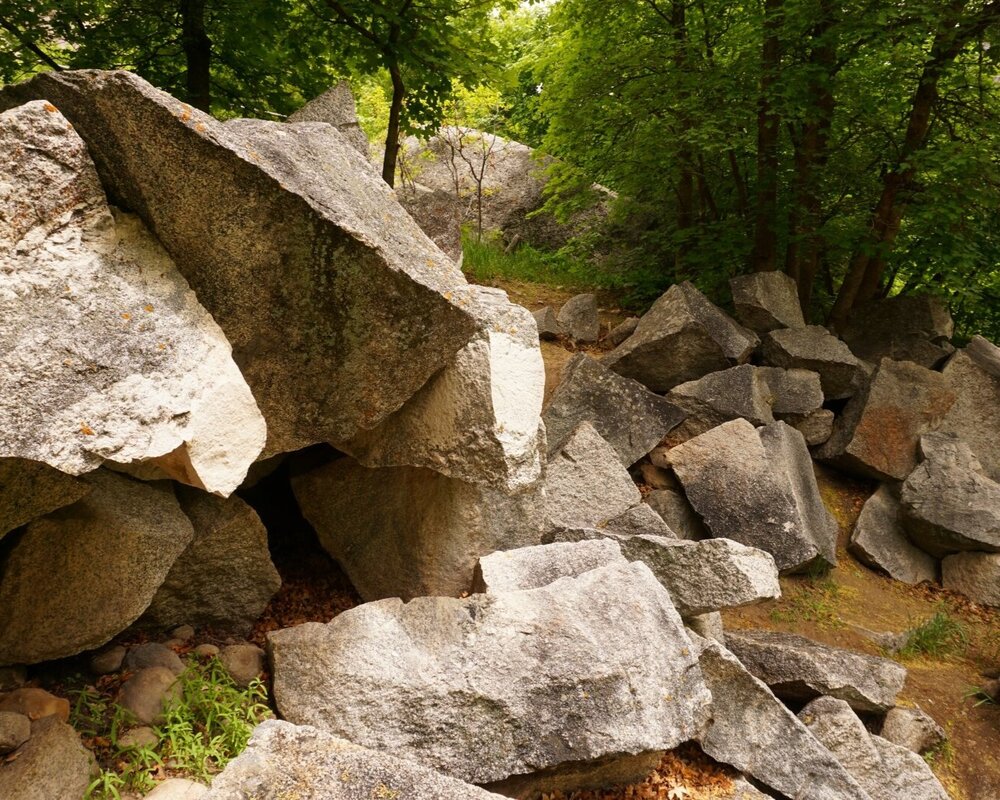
[685, 158]
[197, 53]
[765, 247]
[392, 135]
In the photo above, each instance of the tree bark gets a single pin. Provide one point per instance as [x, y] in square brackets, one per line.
[765, 248]
[392, 135]
[197, 53]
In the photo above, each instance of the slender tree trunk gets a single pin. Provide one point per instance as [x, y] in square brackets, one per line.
[392, 135]
[765, 249]
[685, 158]
[742, 190]
[197, 52]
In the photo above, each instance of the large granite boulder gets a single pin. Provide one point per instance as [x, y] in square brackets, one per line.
[797, 668]
[815, 348]
[765, 301]
[976, 575]
[877, 434]
[406, 531]
[52, 765]
[879, 540]
[298, 761]
[736, 393]
[973, 373]
[910, 327]
[337, 306]
[224, 579]
[752, 730]
[681, 338]
[757, 487]
[336, 107]
[86, 572]
[497, 686]
[885, 770]
[632, 419]
[108, 354]
[579, 319]
[29, 489]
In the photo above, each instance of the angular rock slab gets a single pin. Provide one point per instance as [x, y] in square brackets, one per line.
[108, 553]
[905, 328]
[753, 731]
[876, 435]
[681, 338]
[879, 540]
[757, 487]
[224, 579]
[815, 348]
[534, 567]
[639, 519]
[973, 373]
[816, 427]
[585, 483]
[976, 575]
[298, 761]
[108, 354]
[52, 765]
[335, 107]
[632, 419]
[736, 393]
[884, 769]
[676, 512]
[797, 668]
[795, 393]
[623, 330]
[948, 509]
[337, 306]
[494, 686]
[29, 490]
[478, 419]
[578, 318]
[765, 301]
[408, 532]
[547, 323]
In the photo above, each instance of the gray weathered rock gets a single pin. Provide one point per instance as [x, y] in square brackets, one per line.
[542, 564]
[108, 660]
[142, 736]
[913, 729]
[797, 668]
[973, 373]
[876, 435]
[578, 318]
[299, 761]
[880, 541]
[29, 490]
[753, 731]
[884, 769]
[15, 730]
[407, 532]
[110, 553]
[152, 654]
[494, 686]
[908, 327]
[815, 348]
[477, 420]
[224, 579]
[708, 626]
[336, 107]
[640, 519]
[738, 392]
[547, 323]
[948, 450]
[178, 789]
[623, 330]
[585, 483]
[816, 427]
[795, 393]
[948, 509]
[244, 662]
[676, 512]
[758, 488]
[147, 693]
[767, 300]
[327, 356]
[625, 413]
[681, 338]
[976, 575]
[51, 765]
[109, 355]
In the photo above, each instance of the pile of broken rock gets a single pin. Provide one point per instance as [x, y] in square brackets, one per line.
[531, 622]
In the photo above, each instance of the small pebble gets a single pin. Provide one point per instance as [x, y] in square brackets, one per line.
[153, 654]
[206, 650]
[243, 662]
[139, 737]
[182, 632]
[15, 730]
[107, 661]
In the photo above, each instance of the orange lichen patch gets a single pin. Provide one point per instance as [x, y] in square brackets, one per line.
[86, 430]
[200, 127]
[185, 114]
[148, 308]
[50, 108]
[161, 346]
[126, 316]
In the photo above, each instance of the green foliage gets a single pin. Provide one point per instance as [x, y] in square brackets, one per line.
[939, 636]
[485, 260]
[981, 696]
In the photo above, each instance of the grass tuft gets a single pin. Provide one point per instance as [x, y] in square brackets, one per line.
[940, 636]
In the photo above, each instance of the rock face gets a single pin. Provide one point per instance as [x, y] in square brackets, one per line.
[976, 575]
[533, 567]
[478, 419]
[754, 732]
[134, 531]
[578, 318]
[758, 488]
[676, 512]
[29, 490]
[879, 540]
[884, 769]
[905, 328]
[639, 519]
[681, 338]
[739, 392]
[815, 348]
[51, 765]
[797, 668]
[494, 686]
[406, 532]
[110, 357]
[363, 309]
[767, 300]
[335, 107]
[224, 579]
[284, 760]
[876, 436]
[585, 483]
[795, 393]
[973, 373]
[628, 416]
